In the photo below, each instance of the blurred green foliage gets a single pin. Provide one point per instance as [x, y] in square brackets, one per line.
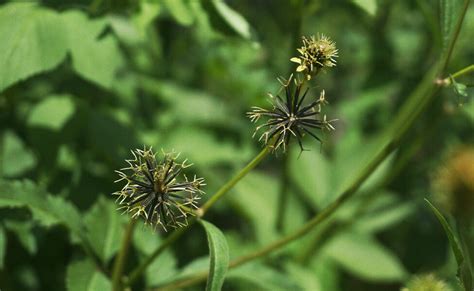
[84, 82]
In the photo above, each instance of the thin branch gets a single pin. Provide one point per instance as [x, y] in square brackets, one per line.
[121, 259]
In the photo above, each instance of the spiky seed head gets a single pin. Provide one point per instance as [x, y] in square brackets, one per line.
[315, 54]
[291, 117]
[157, 189]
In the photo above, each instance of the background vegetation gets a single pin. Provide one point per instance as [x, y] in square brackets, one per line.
[84, 82]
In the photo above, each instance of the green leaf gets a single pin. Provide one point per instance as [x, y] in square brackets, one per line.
[260, 277]
[3, 245]
[48, 210]
[312, 173]
[16, 158]
[327, 272]
[219, 256]
[204, 148]
[82, 275]
[104, 228]
[261, 190]
[180, 11]
[447, 18]
[32, 40]
[463, 271]
[364, 257]
[468, 109]
[145, 240]
[304, 276]
[461, 90]
[52, 113]
[385, 217]
[369, 6]
[24, 232]
[95, 58]
[227, 19]
[449, 233]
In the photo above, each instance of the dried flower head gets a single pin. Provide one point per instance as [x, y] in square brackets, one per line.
[316, 53]
[153, 189]
[428, 282]
[290, 116]
[454, 183]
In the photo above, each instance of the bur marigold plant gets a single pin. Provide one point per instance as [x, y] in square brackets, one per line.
[315, 54]
[158, 190]
[290, 117]
[298, 113]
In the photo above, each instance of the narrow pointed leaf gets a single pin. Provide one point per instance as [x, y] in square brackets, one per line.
[449, 233]
[219, 255]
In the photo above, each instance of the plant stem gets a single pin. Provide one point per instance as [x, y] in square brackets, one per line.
[317, 220]
[121, 259]
[231, 183]
[447, 81]
[136, 273]
[297, 23]
[406, 118]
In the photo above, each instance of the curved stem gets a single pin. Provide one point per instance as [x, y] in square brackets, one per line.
[231, 183]
[317, 220]
[447, 81]
[136, 273]
[406, 118]
[121, 259]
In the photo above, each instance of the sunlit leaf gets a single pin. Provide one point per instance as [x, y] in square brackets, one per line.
[32, 40]
[385, 217]
[304, 276]
[15, 158]
[52, 113]
[104, 228]
[46, 209]
[95, 57]
[370, 6]
[82, 275]
[227, 20]
[364, 257]
[180, 11]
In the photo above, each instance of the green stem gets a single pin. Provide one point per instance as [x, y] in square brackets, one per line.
[231, 183]
[406, 118]
[464, 71]
[318, 219]
[121, 259]
[447, 81]
[284, 181]
[136, 273]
